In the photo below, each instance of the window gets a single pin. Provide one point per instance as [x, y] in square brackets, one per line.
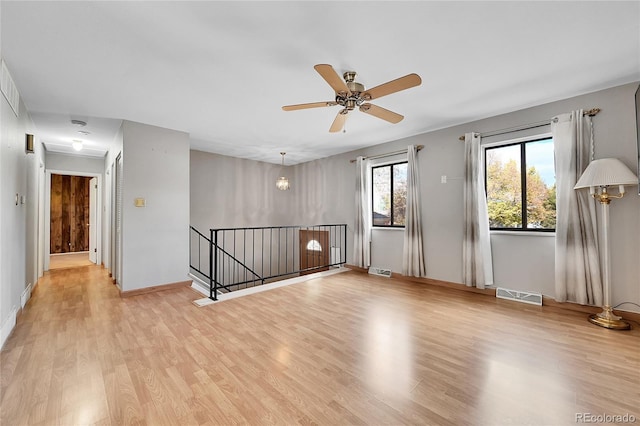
[314, 245]
[508, 183]
[389, 194]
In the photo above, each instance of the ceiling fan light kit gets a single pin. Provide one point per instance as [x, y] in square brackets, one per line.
[350, 94]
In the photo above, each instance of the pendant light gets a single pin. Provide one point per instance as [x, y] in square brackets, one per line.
[282, 183]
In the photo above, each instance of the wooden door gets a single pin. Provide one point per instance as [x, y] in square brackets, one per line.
[314, 250]
[69, 214]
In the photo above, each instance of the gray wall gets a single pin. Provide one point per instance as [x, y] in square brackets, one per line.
[527, 262]
[323, 191]
[73, 163]
[155, 238]
[523, 262]
[233, 192]
[19, 174]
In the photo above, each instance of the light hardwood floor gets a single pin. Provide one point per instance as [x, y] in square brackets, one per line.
[69, 260]
[345, 349]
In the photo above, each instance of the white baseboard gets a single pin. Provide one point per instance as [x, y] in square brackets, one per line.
[7, 326]
[265, 287]
[26, 295]
[199, 285]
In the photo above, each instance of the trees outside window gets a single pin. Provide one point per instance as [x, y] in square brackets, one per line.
[389, 195]
[508, 183]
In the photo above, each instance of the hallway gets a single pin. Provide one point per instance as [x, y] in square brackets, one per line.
[69, 260]
[76, 355]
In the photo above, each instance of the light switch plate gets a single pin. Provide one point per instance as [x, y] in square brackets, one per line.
[140, 202]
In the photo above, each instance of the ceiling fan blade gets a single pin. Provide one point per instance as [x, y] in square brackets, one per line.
[309, 105]
[338, 122]
[331, 76]
[392, 86]
[382, 113]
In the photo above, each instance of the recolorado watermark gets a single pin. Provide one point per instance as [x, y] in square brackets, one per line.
[605, 418]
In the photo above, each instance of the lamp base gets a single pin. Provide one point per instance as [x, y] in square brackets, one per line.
[607, 319]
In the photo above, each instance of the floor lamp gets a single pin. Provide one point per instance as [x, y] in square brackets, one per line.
[602, 174]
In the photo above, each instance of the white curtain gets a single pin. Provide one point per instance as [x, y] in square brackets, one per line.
[413, 256]
[477, 263]
[362, 228]
[577, 269]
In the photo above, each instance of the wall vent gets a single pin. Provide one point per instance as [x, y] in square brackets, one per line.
[519, 296]
[374, 270]
[9, 89]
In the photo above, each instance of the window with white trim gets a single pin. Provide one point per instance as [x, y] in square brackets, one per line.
[521, 185]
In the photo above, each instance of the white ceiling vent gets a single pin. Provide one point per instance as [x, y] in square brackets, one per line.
[9, 89]
[519, 296]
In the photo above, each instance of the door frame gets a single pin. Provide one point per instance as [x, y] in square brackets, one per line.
[47, 212]
[93, 219]
[42, 177]
[115, 233]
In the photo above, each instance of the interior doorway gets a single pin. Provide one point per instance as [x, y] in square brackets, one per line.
[314, 250]
[69, 214]
[69, 260]
[72, 219]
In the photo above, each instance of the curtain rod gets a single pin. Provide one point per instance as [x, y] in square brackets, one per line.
[591, 112]
[388, 154]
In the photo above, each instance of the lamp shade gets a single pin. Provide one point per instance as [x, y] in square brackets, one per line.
[606, 172]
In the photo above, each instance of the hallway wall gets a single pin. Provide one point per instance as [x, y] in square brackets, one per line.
[19, 197]
[155, 238]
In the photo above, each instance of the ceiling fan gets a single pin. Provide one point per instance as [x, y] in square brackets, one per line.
[350, 94]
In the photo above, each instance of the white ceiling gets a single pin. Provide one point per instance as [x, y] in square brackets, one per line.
[222, 70]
